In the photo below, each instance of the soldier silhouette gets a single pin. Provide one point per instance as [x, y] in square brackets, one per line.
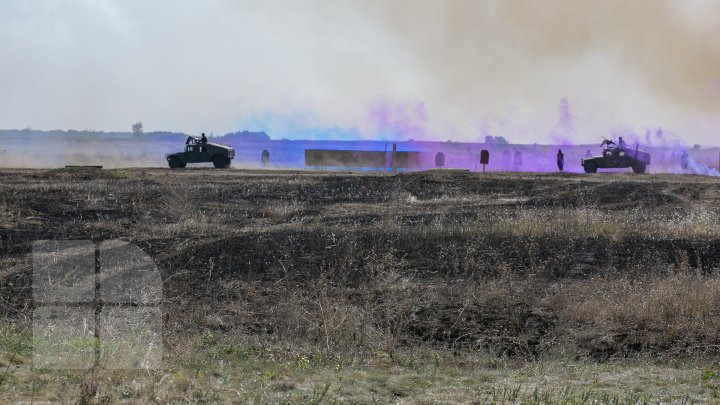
[560, 160]
[685, 160]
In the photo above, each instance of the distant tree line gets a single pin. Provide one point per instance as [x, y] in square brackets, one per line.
[136, 131]
[246, 136]
[496, 140]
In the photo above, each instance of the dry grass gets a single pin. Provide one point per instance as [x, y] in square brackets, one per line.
[676, 314]
[288, 287]
[699, 222]
[221, 369]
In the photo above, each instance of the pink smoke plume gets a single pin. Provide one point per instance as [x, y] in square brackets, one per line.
[690, 166]
[399, 120]
[564, 132]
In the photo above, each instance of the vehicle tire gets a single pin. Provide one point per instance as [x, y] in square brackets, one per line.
[590, 167]
[221, 162]
[176, 163]
[639, 167]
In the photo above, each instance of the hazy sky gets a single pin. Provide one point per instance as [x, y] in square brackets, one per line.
[530, 70]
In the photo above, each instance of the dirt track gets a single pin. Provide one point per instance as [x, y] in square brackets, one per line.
[451, 258]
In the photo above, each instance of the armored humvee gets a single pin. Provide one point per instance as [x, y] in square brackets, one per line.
[617, 157]
[199, 152]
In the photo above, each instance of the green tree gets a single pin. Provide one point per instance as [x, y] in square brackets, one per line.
[137, 128]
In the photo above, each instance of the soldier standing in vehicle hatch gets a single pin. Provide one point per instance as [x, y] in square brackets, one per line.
[560, 160]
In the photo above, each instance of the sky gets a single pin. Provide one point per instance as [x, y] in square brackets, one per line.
[550, 71]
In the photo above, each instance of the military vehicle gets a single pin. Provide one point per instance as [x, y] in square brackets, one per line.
[617, 157]
[201, 152]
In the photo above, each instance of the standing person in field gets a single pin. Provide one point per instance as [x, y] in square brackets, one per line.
[560, 160]
[685, 160]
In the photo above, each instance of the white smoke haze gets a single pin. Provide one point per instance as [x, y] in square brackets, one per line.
[497, 67]
[700, 168]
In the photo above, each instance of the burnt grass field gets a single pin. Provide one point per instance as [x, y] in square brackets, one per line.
[520, 267]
